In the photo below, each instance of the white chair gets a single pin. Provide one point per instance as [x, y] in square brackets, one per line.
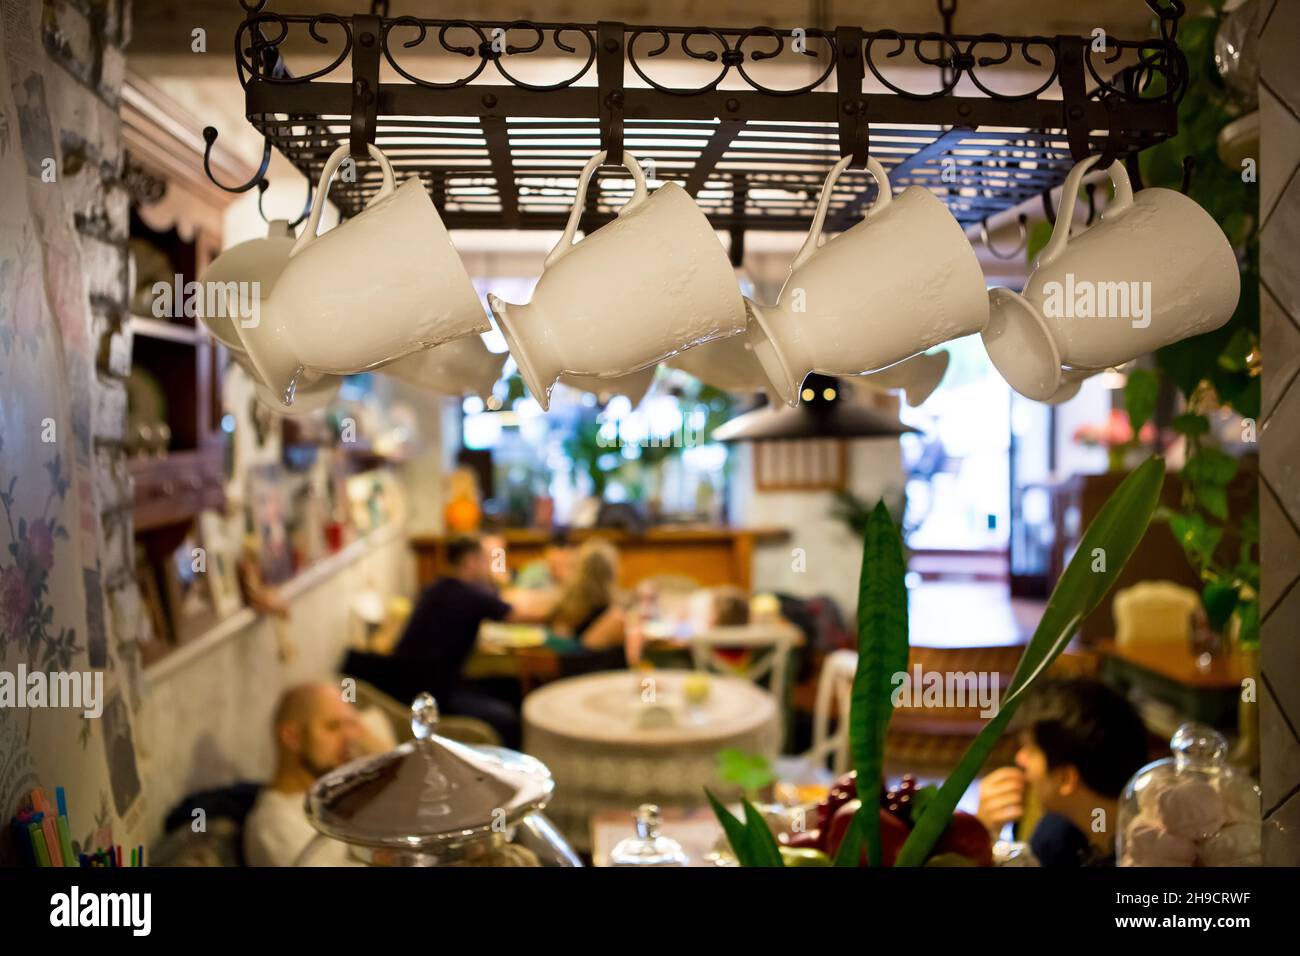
[834, 686]
[776, 639]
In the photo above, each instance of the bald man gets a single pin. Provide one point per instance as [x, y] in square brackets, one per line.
[316, 730]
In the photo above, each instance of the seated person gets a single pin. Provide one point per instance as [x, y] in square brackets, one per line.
[1080, 742]
[730, 607]
[315, 730]
[585, 610]
[443, 629]
[553, 569]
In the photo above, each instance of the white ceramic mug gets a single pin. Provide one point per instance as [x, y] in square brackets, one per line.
[729, 364]
[462, 365]
[902, 280]
[1154, 269]
[241, 276]
[646, 285]
[917, 377]
[383, 284]
[634, 385]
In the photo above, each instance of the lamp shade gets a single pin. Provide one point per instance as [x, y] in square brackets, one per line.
[826, 414]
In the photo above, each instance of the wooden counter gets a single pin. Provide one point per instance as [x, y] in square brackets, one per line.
[711, 556]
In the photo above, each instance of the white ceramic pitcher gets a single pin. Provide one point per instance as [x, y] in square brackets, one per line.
[646, 285]
[902, 280]
[1154, 269]
[383, 284]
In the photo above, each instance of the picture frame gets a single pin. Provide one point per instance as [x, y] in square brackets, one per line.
[188, 594]
[162, 639]
[223, 564]
[269, 509]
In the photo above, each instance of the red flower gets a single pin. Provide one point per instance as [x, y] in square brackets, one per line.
[40, 540]
[15, 601]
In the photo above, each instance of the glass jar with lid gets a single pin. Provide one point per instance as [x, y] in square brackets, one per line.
[1190, 809]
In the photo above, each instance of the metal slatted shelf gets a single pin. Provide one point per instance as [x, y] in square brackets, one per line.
[506, 154]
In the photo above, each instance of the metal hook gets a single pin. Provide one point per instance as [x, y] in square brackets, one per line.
[1189, 164]
[306, 209]
[210, 138]
[1021, 243]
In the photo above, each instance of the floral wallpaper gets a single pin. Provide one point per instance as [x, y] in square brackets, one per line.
[52, 605]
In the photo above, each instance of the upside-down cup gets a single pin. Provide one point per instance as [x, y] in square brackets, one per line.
[648, 284]
[462, 365]
[235, 282]
[902, 280]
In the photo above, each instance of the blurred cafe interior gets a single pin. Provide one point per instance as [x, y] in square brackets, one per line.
[533, 434]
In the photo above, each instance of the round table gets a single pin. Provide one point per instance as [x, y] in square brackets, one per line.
[621, 738]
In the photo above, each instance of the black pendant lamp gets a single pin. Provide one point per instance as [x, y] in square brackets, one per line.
[826, 409]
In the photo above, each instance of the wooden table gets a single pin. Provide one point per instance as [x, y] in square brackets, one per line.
[710, 556]
[1169, 673]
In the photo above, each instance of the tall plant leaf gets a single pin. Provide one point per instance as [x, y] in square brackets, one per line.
[1103, 551]
[751, 841]
[882, 653]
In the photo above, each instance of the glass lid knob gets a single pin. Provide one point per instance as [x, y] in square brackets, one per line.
[1198, 744]
[648, 819]
[424, 716]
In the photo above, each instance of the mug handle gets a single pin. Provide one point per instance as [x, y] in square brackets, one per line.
[639, 195]
[318, 204]
[1065, 209]
[816, 239]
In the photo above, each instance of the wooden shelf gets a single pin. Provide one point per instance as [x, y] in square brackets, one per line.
[166, 331]
[302, 582]
[173, 489]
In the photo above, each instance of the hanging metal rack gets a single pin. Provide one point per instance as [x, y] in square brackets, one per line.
[496, 150]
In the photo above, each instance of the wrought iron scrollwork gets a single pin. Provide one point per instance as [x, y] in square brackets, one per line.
[972, 57]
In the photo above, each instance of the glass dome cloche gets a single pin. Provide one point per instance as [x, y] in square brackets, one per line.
[1190, 809]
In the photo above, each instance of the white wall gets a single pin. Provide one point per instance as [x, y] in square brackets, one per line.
[207, 722]
[832, 553]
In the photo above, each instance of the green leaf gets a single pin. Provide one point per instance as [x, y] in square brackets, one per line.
[749, 772]
[1220, 600]
[1140, 395]
[751, 841]
[1191, 424]
[736, 833]
[762, 842]
[850, 848]
[921, 798]
[1248, 612]
[1214, 499]
[1039, 233]
[882, 653]
[1210, 466]
[1114, 534]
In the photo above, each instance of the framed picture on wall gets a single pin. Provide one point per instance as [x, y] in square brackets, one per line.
[268, 502]
[222, 565]
[189, 596]
[159, 640]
